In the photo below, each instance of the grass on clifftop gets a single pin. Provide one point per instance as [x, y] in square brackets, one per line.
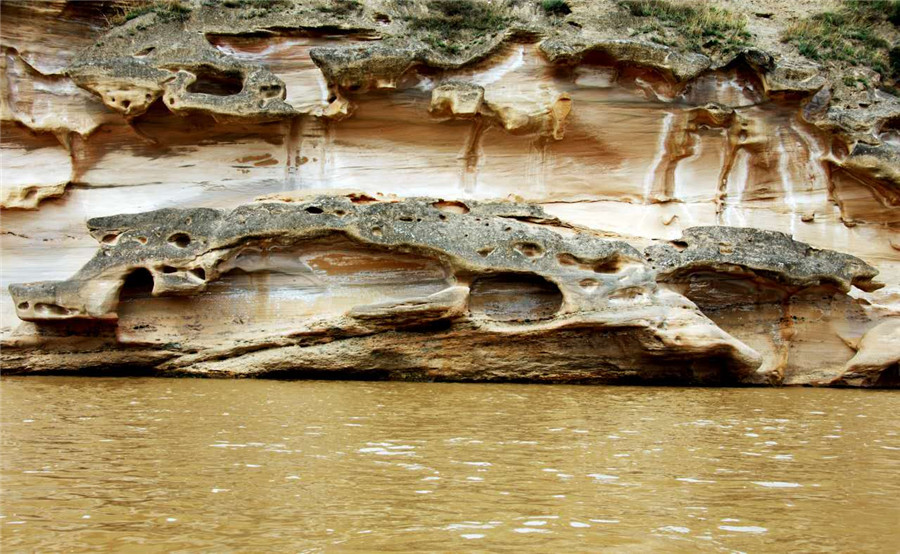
[453, 25]
[341, 7]
[165, 10]
[695, 26]
[852, 35]
[556, 7]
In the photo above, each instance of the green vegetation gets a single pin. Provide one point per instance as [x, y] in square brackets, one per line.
[165, 10]
[875, 9]
[852, 35]
[851, 81]
[241, 3]
[250, 8]
[695, 26]
[257, 5]
[452, 25]
[341, 7]
[556, 7]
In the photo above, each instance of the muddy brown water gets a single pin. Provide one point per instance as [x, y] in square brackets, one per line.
[160, 465]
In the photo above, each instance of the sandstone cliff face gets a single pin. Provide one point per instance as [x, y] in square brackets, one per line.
[252, 189]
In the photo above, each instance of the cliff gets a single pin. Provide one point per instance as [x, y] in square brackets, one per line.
[581, 191]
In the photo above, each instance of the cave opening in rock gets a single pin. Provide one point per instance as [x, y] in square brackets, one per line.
[138, 284]
[215, 82]
[514, 297]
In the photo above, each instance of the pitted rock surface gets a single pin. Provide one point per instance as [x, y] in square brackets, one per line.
[476, 237]
[520, 279]
[767, 254]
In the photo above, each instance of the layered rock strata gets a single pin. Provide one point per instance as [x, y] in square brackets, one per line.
[412, 289]
[557, 199]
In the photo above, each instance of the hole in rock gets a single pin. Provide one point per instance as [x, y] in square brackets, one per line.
[144, 52]
[589, 285]
[138, 284]
[484, 252]
[452, 207]
[314, 210]
[111, 238]
[566, 259]
[142, 240]
[382, 18]
[362, 199]
[376, 231]
[612, 264]
[215, 82]
[181, 240]
[50, 309]
[679, 245]
[199, 273]
[169, 269]
[628, 293]
[270, 91]
[514, 297]
[529, 249]
[23, 305]
[599, 58]
[889, 377]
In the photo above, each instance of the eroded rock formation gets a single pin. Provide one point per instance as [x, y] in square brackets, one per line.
[556, 199]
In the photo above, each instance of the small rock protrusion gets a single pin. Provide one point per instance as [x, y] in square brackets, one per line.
[456, 100]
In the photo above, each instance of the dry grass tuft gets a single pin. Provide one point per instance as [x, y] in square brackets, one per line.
[454, 26]
[852, 35]
[165, 10]
[694, 26]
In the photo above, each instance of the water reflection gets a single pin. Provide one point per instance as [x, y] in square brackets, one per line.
[157, 465]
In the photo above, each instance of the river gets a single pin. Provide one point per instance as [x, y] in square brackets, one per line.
[161, 465]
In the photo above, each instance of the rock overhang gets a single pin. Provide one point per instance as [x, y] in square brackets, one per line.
[493, 253]
[770, 255]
